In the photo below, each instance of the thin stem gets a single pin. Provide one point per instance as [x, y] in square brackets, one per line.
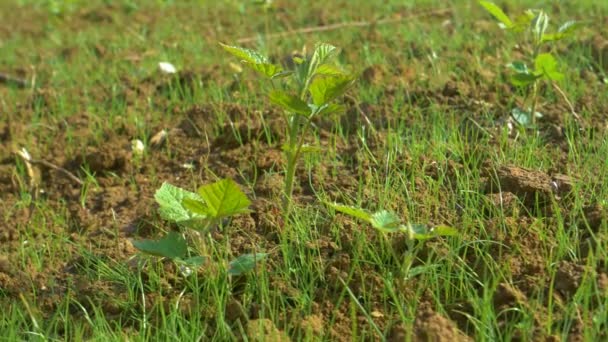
[296, 141]
[534, 101]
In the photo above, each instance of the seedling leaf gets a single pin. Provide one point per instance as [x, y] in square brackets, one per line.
[497, 13]
[195, 206]
[171, 246]
[521, 79]
[329, 70]
[255, 60]
[325, 88]
[246, 55]
[245, 263]
[522, 22]
[224, 198]
[332, 108]
[566, 30]
[424, 232]
[519, 67]
[352, 211]
[323, 52]
[546, 64]
[289, 102]
[539, 25]
[385, 221]
[170, 198]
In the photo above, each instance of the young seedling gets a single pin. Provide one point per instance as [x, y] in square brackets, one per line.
[199, 211]
[316, 83]
[533, 25]
[388, 222]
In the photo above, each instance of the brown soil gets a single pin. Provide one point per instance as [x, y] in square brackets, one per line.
[120, 205]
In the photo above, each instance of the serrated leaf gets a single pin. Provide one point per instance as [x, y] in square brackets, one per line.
[523, 79]
[330, 70]
[195, 206]
[246, 55]
[267, 69]
[497, 13]
[522, 22]
[385, 221]
[325, 88]
[351, 211]
[519, 67]
[245, 263]
[424, 232]
[289, 102]
[546, 64]
[171, 246]
[254, 60]
[224, 198]
[569, 27]
[443, 230]
[170, 198]
[420, 231]
[323, 52]
[332, 108]
[282, 74]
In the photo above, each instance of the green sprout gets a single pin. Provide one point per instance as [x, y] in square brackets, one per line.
[388, 222]
[316, 84]
[199, 211]
[539, 65]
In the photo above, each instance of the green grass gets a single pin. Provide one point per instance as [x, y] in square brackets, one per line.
[80, 278]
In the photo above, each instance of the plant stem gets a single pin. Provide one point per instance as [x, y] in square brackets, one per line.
[292, 160]
[534, 101]
[296, 141]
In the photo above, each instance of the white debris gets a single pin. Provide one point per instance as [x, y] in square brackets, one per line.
[137, 146]
[167, 67]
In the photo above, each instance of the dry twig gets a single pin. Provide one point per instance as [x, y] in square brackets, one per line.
[337, 26]
[31, 161]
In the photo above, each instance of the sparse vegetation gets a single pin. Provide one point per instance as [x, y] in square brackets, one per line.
[110, 110]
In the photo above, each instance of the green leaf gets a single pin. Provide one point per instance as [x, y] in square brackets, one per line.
[351, 211]
[170, 200]
[497, 13]
[323, 52]
[171, 246]
[519, 67]
[443, 230]
[329, 70]
[245, 263]
[569, 27]
[424, 232]
[332, 108]
[197, 207]
[523, 79]
[246, 55]
[224, 198]
[289, 102]
[255, 60]
[546, 64]
[282, 74]
[325, 88]
[522, 22]
[385, 221]
[539, 25]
